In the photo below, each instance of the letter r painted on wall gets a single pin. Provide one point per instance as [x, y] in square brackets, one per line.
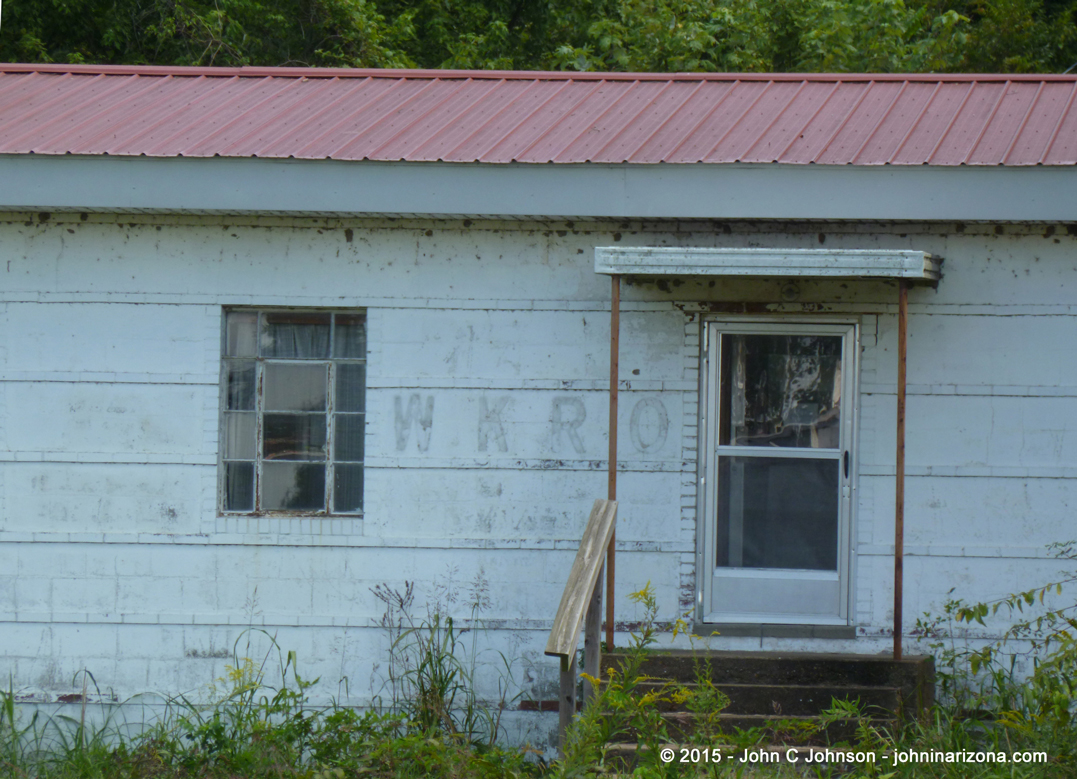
[567, 417]
[423, 418]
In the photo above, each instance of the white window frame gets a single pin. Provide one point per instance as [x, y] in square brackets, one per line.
[260, 362]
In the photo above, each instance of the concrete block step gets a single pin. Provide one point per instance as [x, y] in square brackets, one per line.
[781, 668]
[772, 729]
[788, 699]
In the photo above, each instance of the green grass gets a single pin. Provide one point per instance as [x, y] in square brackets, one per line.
[258, 721]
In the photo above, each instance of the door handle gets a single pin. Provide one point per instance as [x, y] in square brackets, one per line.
[845, 459]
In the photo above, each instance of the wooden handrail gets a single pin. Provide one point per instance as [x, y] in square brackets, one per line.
[565, 634]
[582, 596]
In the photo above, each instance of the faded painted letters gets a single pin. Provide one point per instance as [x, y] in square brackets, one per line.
[490, 423]
[423, 417]
[567, 417]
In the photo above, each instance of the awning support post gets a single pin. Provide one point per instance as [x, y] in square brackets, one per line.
[615, 336]
[899, 480]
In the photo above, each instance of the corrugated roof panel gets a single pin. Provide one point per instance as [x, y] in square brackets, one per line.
[1031, 143]
[290, 133]
[862, 123]
[1062, 149]
[501, 117]
[263, 127]
[968, 124]
[427, 128]
[999, 134]
[635, 129]
[753, 140]
[785, 127]
[466, 119]
[242, 135]
[934, 122]
[718, 123]
[176, 135]
[895, 124]
[538, 119]
[35, 116]
[825, 123]
[396, 127]
[572, 126]
[497, 125]
[603, 132]
[376, 98]
[673, 129]
[94, 128]
[756, 117]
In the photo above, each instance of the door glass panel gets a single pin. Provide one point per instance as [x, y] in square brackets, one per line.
[780, 390]
[777, 512]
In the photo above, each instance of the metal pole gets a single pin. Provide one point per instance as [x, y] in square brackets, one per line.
[615, 337]
[899, 480]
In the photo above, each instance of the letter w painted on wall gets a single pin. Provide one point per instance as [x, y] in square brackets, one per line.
[415, 415]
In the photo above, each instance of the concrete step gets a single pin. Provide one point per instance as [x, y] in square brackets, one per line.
[779, 668]
[788, 699]
[769, 728]
[798, 684]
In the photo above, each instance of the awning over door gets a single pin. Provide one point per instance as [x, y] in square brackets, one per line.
[911, 266]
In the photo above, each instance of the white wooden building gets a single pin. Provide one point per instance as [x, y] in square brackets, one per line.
[272, 338]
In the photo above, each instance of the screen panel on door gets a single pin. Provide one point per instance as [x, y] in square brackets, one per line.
[778, 486]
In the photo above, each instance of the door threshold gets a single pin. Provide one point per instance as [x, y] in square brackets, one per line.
[773, 630]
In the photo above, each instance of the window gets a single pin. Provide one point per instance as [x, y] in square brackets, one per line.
[293, 386]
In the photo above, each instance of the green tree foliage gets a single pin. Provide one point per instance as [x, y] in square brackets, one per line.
[602, 35]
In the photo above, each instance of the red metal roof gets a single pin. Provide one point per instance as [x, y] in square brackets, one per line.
[500, 117]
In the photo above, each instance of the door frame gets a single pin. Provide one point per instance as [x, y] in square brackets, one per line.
[706, 503]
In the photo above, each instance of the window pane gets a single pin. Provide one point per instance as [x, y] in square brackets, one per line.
[780, 390]
[295, 387]
[776, 512]
[239, 385]
[348, 443]
[351, 387]
[239, 486]
[240, 330]
[239, 435]
[293, 487]
[296, 336]
[350, 337]
[293, 437]
[348, 488]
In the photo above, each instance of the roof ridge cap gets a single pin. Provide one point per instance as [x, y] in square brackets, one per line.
[543, 75]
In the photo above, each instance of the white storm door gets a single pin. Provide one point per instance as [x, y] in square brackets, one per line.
[777, 474]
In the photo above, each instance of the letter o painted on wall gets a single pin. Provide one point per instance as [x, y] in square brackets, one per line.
[649, 425]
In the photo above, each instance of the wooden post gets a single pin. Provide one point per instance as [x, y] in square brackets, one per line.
[567, 706]
[592, 633]
[899, 480]
[615, 337]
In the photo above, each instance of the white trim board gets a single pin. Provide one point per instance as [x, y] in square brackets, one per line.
[662, 191]
[815, 263]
